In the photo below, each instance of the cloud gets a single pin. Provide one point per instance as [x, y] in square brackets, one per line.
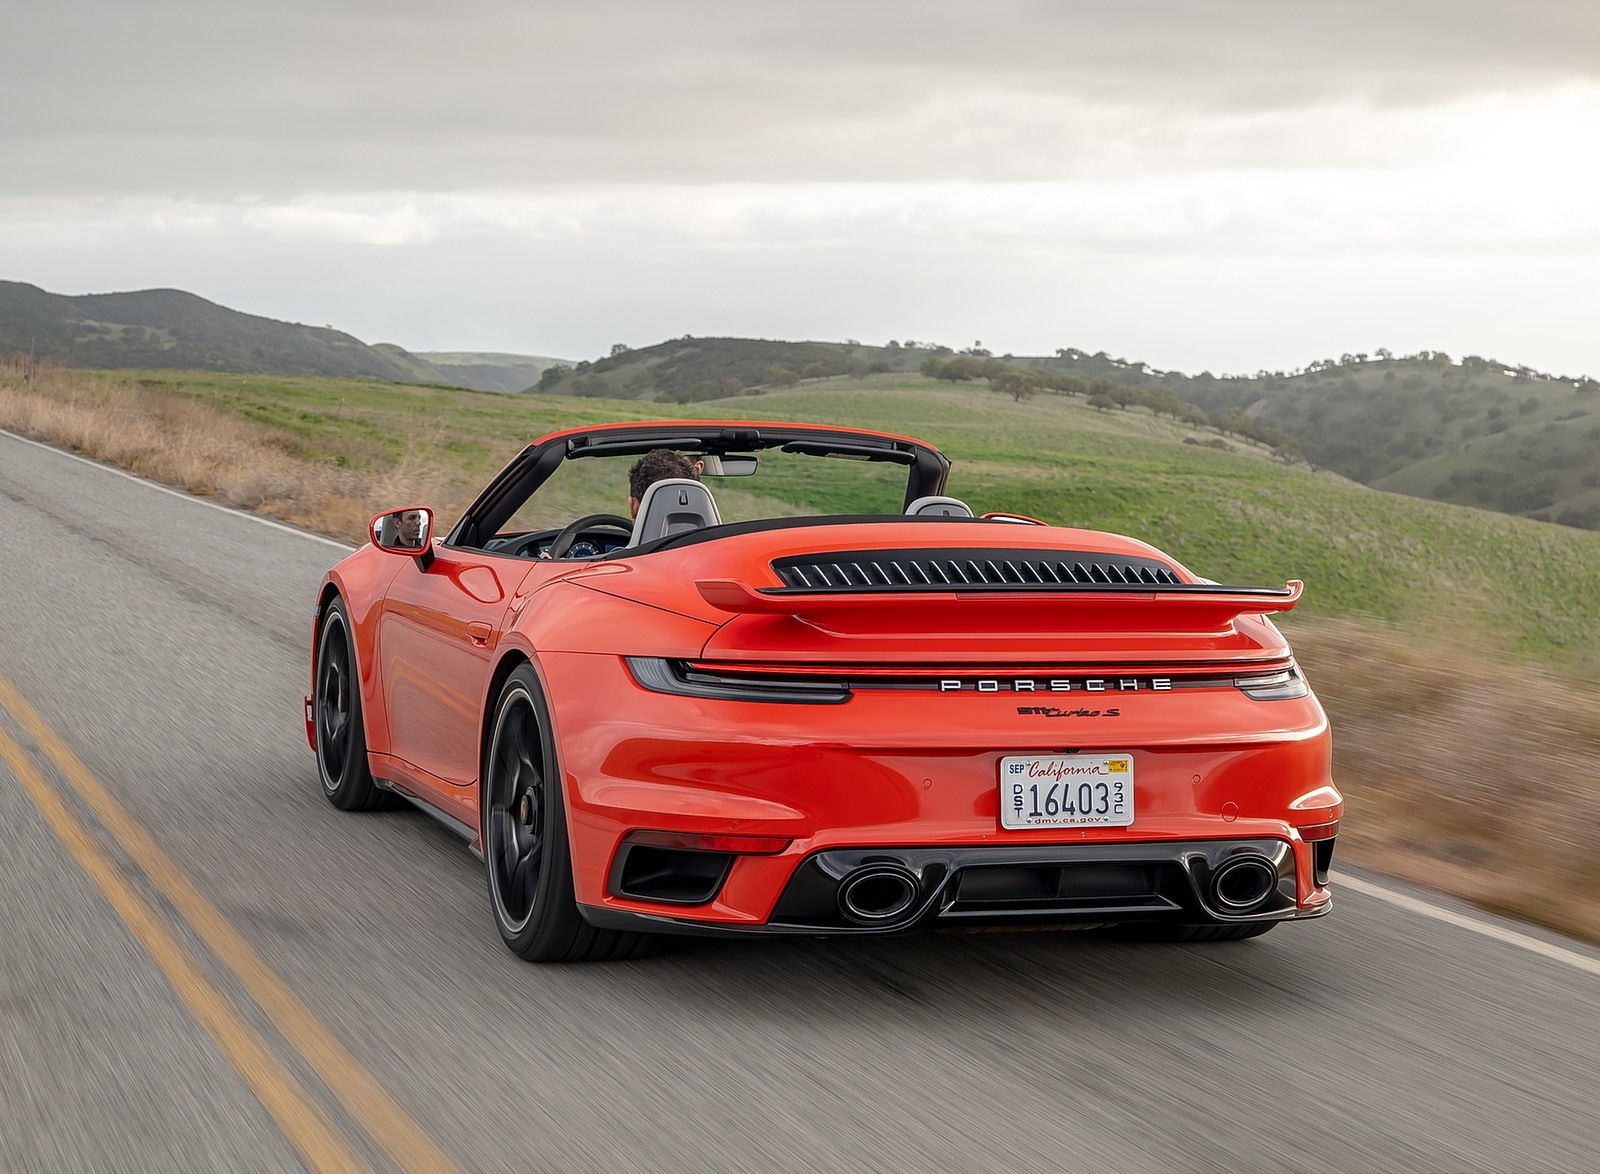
[1226, 184]
[291, 97]
[403, 225]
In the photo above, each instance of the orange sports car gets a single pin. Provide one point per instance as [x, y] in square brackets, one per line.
[725, 712]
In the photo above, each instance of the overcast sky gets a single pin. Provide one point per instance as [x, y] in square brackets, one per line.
[1199, 184]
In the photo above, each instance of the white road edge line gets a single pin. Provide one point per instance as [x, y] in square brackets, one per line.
[227, 509]
[1475, 925]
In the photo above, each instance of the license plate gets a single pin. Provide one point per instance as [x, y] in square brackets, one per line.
[1066, 790]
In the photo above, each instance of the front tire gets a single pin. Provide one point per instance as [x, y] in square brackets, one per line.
[526, 852]
[336, 707]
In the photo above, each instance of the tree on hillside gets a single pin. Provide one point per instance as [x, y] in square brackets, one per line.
[961, 369]
[1163, 401]
[552, 375]
[775, 375]
[1018, 383]
[1232, 422]
[1067, 384]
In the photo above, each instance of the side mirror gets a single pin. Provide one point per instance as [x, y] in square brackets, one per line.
[407, 531]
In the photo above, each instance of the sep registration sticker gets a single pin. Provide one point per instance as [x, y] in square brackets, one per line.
[1066, 791]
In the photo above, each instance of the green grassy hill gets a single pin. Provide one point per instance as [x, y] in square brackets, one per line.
[684, 370]
[168, 328]
[1472, 433]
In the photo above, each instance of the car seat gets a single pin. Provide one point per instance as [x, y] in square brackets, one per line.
[672, 506]
[948, 507]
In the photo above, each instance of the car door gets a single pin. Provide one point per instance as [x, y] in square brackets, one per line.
[437, 638]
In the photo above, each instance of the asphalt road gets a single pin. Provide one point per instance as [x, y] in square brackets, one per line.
[203, 966]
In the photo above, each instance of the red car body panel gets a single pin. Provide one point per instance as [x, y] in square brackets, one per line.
[939, 685]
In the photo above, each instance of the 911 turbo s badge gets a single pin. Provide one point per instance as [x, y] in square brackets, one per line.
[1056, 711]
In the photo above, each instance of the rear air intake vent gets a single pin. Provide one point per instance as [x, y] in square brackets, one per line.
[966, 569]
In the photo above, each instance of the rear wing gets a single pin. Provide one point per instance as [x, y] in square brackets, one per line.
[1166, 607]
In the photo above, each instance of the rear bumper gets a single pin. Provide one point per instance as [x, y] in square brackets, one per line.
[896, 890]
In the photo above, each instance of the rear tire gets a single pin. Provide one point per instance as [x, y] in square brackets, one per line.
[336, 709]
[526, 853]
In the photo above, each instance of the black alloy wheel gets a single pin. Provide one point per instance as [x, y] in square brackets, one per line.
[525, 846]
[336, 714]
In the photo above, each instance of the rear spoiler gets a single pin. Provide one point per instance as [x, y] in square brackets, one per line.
[1164, 607]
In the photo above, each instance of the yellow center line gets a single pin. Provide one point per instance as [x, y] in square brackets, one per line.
[367, 1101]
[296, 1114]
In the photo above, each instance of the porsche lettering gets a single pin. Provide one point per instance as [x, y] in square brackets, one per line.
[1054, 684]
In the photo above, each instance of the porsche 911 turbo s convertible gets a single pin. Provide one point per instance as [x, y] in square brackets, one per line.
[882, 715]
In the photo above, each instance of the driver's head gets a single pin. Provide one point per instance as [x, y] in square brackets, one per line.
[409, 529]
[656, 465]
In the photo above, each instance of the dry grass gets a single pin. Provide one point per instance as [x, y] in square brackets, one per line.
[180, 441]
[1461, 772]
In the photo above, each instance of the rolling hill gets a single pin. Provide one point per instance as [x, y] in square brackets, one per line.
[489, 370]
[169, 329]
[1474, 432]
[174, 330]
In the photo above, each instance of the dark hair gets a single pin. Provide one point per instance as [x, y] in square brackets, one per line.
[657, 465]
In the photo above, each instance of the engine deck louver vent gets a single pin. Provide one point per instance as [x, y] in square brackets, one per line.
[966, 568]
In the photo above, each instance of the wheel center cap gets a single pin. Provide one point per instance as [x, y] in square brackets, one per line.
[526, 809]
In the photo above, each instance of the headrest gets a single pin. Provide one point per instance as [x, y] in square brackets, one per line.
[949, 507]
[672, 506]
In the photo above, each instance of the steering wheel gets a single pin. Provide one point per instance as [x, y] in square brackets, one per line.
[563, 541]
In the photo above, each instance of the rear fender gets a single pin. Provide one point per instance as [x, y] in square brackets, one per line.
[573, 617]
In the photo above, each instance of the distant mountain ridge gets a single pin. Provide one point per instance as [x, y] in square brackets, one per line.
[479, 370]
[174, 330]
[168, 328]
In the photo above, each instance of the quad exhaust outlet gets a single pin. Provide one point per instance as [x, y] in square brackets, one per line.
[877, 894]
[1243, 883]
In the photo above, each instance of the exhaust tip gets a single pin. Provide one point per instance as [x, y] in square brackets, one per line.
[877, 894]
[1243, 883]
